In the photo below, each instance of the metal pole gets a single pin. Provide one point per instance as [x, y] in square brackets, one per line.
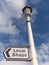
[32, 47]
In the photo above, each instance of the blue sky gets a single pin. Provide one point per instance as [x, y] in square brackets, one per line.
[13, 27]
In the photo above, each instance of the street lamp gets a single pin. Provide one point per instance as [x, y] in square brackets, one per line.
[27, 12]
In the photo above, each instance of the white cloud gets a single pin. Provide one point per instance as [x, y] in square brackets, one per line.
[9, 9]
[16, 41]
[16, 3]
[16, 6]
[6, 25]
[35, 1]
[34, 14]
[14, 63]
[46, 63]
[1, 50]
[43, 54]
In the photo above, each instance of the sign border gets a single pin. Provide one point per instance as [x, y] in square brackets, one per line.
[17, 59]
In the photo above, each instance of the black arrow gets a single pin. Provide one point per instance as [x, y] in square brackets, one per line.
[7, 52]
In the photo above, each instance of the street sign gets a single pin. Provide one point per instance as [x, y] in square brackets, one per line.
[17, 53]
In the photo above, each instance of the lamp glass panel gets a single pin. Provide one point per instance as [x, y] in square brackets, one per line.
[27, 11]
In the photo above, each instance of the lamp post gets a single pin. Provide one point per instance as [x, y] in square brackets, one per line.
[27, 12]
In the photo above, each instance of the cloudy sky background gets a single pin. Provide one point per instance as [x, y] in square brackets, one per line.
[13, 28]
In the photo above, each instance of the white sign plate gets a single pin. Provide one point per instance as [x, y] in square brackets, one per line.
[17, 53]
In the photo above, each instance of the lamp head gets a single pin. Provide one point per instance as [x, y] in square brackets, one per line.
[27, 12]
